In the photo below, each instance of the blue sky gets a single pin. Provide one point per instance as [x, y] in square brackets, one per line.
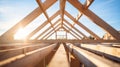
[12, 11]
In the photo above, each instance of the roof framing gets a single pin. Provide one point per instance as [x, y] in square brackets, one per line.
[96, 19]
[83, 10]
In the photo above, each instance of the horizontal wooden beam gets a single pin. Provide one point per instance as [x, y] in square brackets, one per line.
[90, 59]
[75, 41]
[26, 59]
[60, 58]
[106, 50]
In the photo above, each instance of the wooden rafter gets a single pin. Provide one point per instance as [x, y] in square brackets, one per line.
[72, 31]
[96, 19]
[83, 10]
[75, 29]
[29, 18]
[47, 29]
[86, 5]
[42, 25]
[43, 10]
[51, 32]
[81, 25]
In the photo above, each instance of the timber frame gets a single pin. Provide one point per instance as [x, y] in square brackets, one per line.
[79, 36]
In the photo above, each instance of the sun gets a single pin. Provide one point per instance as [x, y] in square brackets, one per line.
[21, 34]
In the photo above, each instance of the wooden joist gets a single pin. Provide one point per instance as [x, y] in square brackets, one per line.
[60, 58]
[90, 59]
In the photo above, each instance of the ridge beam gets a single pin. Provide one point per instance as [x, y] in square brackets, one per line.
[62, 9]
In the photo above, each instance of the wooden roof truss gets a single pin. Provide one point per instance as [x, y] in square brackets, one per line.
[63, 23]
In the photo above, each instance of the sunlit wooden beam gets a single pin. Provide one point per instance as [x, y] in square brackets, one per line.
[42, 25]
[72, 31]
[60, 58]
[97, 20]
[47, 29]
[25, 21]
[77, 41]
[81, 25]
[62, 9]
[88, 3]
[50, 33]
[56, 28]
[75, 29]
[90, 59]
[43, 10]
[78, 16]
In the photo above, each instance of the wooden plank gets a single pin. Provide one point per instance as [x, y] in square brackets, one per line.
[95, 60]
[60, 58]
[7, 53]
[75, 41]
[105, 49]
[97, 20]
[27, 60]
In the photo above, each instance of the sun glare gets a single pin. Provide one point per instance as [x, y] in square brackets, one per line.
[20, 35]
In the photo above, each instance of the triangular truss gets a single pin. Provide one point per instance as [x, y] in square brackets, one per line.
[62, 23]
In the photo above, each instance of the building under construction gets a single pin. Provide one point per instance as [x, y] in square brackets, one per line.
[69, 47]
